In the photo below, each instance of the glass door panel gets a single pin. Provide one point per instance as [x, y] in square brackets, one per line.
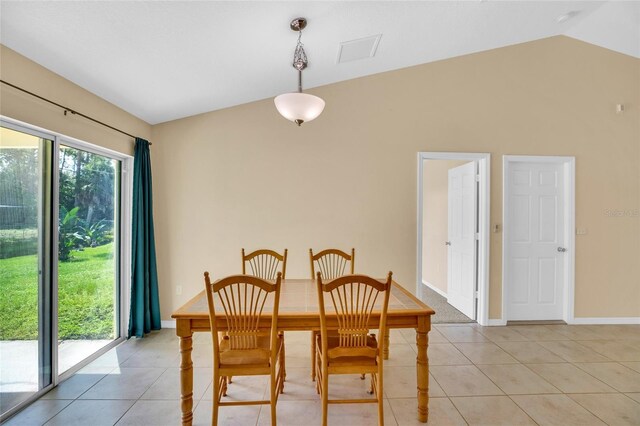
[25, 332]
[88, 254]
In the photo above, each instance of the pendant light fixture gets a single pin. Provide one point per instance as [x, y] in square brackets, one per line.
[297, 106]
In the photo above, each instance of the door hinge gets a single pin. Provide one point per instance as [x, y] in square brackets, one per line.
[475, 294]
[477, 235]
[477, 178]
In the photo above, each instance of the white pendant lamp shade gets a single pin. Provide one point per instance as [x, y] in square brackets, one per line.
[299, 107]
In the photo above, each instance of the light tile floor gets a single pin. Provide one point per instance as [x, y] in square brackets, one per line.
[517, 375]
[19, 372]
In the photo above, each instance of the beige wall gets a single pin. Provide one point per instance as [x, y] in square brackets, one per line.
[245, 177]
[435, 220]
[22, 72]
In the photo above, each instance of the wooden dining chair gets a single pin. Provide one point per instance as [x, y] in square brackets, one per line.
[265, 264]
[251, 344]
[352, 350]
[332, 263]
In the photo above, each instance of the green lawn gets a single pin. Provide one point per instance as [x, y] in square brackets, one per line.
[86, 296]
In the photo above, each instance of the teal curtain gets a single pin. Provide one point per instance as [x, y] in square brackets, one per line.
[145, 302]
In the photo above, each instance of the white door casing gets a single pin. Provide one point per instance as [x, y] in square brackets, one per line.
[462, 231]
[484, 206]
[535, 240]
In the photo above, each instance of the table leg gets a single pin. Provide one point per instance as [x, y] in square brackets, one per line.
[186, 371]
[422, 364]
[385, 343]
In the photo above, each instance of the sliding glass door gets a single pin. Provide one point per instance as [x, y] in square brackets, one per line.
[88, 249]
[63, 208]
[25, 320]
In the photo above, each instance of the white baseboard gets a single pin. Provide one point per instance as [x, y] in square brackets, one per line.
[434, 288]
[605, 320]
[168, 324]
[496, 322]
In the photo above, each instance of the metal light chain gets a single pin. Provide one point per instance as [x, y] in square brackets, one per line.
[299, 56]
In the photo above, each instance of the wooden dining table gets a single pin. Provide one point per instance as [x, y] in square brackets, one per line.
[298, 310]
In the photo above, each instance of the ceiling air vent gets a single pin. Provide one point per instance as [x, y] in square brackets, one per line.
[355, 50]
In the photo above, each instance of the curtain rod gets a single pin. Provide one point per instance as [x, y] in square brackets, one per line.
[67, 109]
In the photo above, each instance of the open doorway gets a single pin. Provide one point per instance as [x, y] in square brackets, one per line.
[453, 229]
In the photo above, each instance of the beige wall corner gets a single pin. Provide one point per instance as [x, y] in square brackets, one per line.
[20, 71]
[245, 177]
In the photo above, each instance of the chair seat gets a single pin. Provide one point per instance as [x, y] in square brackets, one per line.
[258, 356]
[333, 343]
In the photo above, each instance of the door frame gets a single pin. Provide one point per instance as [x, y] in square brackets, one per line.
[569, 170]
[484, 166]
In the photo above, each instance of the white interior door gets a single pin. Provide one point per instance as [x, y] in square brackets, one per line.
[461, 263]
[535, 241]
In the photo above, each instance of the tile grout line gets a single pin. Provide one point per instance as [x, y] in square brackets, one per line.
[90, 387]
[58, 412]
[76, 398]
[458, 410]
[522, 409]
[106, 375]
[505, 393]
[577, 343]
[603, 362]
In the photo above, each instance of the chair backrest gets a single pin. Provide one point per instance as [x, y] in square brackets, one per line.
[353, 298]
[242, 299]
[264, 263]
[332, 263]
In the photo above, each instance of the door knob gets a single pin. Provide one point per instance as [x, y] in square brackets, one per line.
[447, 243]
[562, 249]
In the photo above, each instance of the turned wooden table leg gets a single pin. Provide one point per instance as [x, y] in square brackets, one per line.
[422, 364]
[313, 355]
[385, 343]
[186, 371]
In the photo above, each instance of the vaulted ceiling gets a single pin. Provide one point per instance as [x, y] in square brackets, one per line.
[163, 60]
